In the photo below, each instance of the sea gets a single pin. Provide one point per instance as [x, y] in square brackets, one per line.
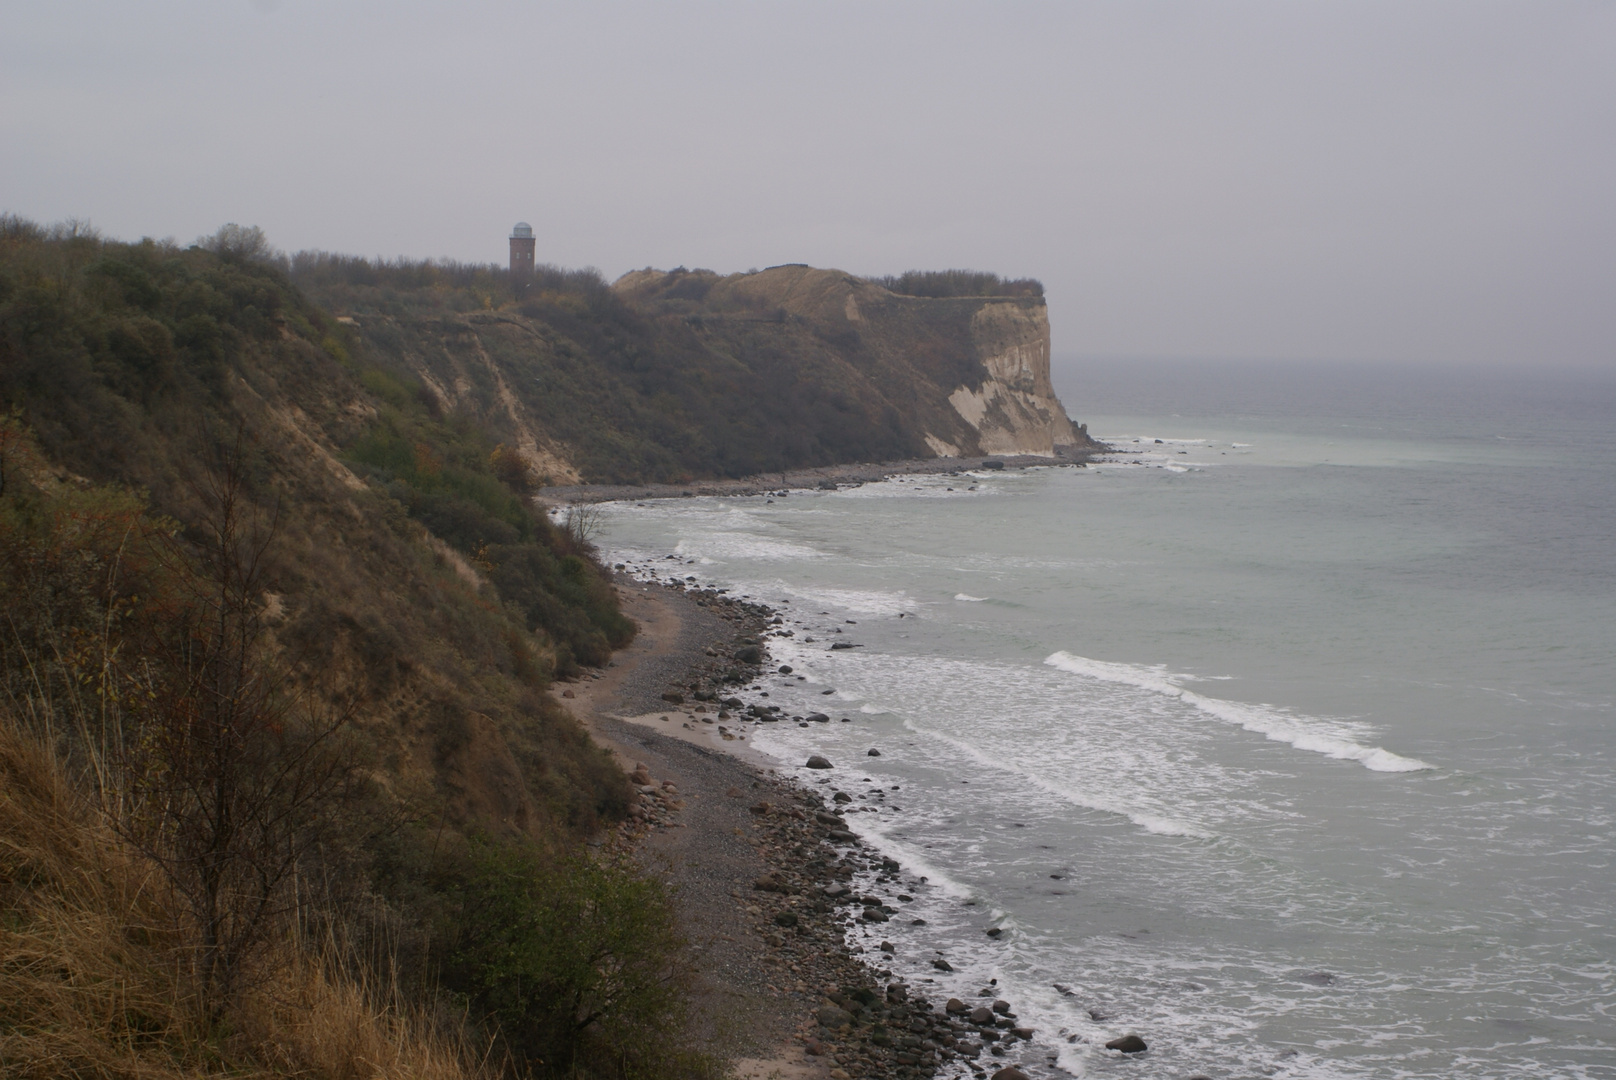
[1282, 736]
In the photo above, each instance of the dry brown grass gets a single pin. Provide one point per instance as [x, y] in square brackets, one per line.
[95, 979]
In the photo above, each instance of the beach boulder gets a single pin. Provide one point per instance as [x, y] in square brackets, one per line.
[873, 752]
[833, 1016]
[1010, 1072]
[981, 1015]
[1128, 1044]
[818, 762]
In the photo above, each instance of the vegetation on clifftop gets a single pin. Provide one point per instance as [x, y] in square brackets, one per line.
[951, 283]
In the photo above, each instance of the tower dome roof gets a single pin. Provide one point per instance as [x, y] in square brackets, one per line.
[523, 230]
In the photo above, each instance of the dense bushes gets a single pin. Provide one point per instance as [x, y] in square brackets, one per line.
[576, 960]
[940, 284]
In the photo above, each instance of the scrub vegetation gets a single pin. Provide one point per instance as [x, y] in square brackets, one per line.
[275, 754]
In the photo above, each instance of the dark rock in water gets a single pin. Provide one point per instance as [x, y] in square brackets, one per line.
[1128, 1044]
[829, 819]
[874, 914]
[1023, 1033]
[817, 762]
[785, 669]
[872, 752]
[942, 965]
[841, 797]
[956, 1007]
[981, 1015]
[835, 646]
[833, 1016]
[842, 836]
[1318, 978]
[732, 702]
[1066, 991]
[1097, 1016]
[1200, 1076]
[817, 718]
[673, 698]
[836, 889]
[1002, 1007]
[917, 922]
[1010, 1072]
[749, 654]
[993, 464]
[994, 931]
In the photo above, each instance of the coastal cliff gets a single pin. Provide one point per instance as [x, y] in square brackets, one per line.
[675, 376]
[971, 372]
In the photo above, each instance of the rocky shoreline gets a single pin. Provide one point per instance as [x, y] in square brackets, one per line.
[769, 874]
[824, 477]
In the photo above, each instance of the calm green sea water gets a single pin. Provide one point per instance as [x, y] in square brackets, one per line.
[1285, 741]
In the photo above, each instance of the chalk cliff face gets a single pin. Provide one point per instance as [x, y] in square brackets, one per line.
[1014, 410]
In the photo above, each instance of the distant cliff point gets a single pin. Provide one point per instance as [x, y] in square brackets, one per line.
[971, 371]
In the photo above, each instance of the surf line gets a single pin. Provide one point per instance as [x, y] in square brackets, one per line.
[1266, 722]
[1159, 824]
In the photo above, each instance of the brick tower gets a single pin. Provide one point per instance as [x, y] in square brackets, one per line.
[521, 252]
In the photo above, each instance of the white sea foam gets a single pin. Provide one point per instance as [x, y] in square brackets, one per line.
[861, 601]
[969, 599]
[869, 829]
[1150, 821]
[1304, 733]
[741, 545]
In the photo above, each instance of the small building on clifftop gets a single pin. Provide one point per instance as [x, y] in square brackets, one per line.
[522, 252]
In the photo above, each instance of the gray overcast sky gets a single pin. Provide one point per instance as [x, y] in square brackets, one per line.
[1397, 181]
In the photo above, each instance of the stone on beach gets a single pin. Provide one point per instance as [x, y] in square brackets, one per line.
[818, 762]
[1128, 1044]
[873, 752]
[1010, 1072]
[834, 1016]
